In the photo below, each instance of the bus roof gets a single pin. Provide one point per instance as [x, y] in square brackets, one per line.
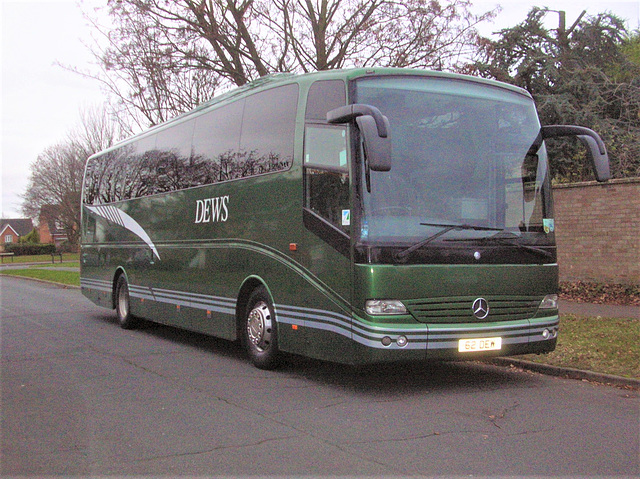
[276, 79]
[346, 74]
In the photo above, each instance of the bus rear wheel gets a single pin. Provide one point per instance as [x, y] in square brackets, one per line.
[260, 331]
[123, 304]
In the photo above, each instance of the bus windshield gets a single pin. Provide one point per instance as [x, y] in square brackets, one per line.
[468, 167]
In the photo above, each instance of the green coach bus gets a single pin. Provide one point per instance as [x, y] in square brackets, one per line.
[354, 216]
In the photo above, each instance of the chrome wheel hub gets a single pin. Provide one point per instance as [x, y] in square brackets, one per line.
[123, 303]
[259, 326]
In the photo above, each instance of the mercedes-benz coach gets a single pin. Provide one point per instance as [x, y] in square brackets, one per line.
[354, 216]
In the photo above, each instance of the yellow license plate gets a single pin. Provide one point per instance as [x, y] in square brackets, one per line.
[479, 344]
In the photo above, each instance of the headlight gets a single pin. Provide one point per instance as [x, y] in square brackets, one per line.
[550, 301]
[385, 306]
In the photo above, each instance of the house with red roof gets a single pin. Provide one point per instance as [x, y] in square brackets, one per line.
[11, 229]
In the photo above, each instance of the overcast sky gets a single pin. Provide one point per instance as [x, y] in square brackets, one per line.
[41, 102]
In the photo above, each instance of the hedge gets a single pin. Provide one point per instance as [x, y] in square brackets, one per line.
[29, 249]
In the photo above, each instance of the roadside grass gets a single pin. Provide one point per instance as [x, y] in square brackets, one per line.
[71, 278]
[66, 264]
[603, 345]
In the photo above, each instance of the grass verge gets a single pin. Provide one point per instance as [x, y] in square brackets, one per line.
[64, 277]
[66, 264]
[603, 345]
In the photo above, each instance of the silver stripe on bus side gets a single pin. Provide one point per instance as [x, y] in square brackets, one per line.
[420, 337]
[97, 285]
[196, 301]
[367, 335]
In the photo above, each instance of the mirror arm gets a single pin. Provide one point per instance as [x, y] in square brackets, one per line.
[554, 131]
[347, 113]
[596, 151]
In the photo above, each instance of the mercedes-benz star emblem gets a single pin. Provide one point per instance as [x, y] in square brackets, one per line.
[480, 308]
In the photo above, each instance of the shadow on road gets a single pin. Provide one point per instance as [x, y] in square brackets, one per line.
[377, 379]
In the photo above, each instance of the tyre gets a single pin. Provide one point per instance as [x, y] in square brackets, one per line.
[259, 330]
[123, 304]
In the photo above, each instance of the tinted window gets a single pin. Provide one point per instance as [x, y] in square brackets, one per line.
[248, 137]
[171, 158]
[268, 131]
[136, 164]
[216, 141]
[324, 95]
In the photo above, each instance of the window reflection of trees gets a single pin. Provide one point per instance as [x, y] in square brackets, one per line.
[139, 169]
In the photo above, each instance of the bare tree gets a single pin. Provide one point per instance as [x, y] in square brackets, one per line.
[148, 78]
[328, 34]
[56, 175]
[159, 58]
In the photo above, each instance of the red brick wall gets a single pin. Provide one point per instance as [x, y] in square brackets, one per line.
[43, 231]
[598, 231]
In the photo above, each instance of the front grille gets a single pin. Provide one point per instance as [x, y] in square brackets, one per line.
[459, 309]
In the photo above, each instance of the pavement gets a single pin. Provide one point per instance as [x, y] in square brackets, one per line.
[602, 310]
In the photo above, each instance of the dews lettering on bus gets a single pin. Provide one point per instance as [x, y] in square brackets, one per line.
[212, 210]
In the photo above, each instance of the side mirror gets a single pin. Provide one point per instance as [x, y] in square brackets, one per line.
[599, 162]
[377, 150]
[374, 128]
[596, 150]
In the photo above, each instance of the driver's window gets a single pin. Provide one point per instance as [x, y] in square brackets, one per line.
[327, 174]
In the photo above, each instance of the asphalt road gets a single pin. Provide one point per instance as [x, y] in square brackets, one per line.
[80, 396]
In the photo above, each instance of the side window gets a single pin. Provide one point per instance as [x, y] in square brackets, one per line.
[326, 170]
[268, 131]
[324, 95]
[91, 193]
[171, 158]
[244, 138]
[136, 167]
[327, 174]
[216, 141]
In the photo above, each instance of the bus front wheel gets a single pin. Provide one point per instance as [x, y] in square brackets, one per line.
[123, 304]
[260, 330]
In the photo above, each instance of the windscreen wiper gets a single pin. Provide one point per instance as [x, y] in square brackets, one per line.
[509, 239]
[445, 229]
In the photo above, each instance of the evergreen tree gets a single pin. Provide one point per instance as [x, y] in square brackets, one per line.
[587, 74]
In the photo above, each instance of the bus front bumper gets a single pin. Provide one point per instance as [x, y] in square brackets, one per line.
[464, 341]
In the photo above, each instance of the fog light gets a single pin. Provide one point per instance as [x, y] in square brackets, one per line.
[402, 341]
[546, 334]
[386, 341]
